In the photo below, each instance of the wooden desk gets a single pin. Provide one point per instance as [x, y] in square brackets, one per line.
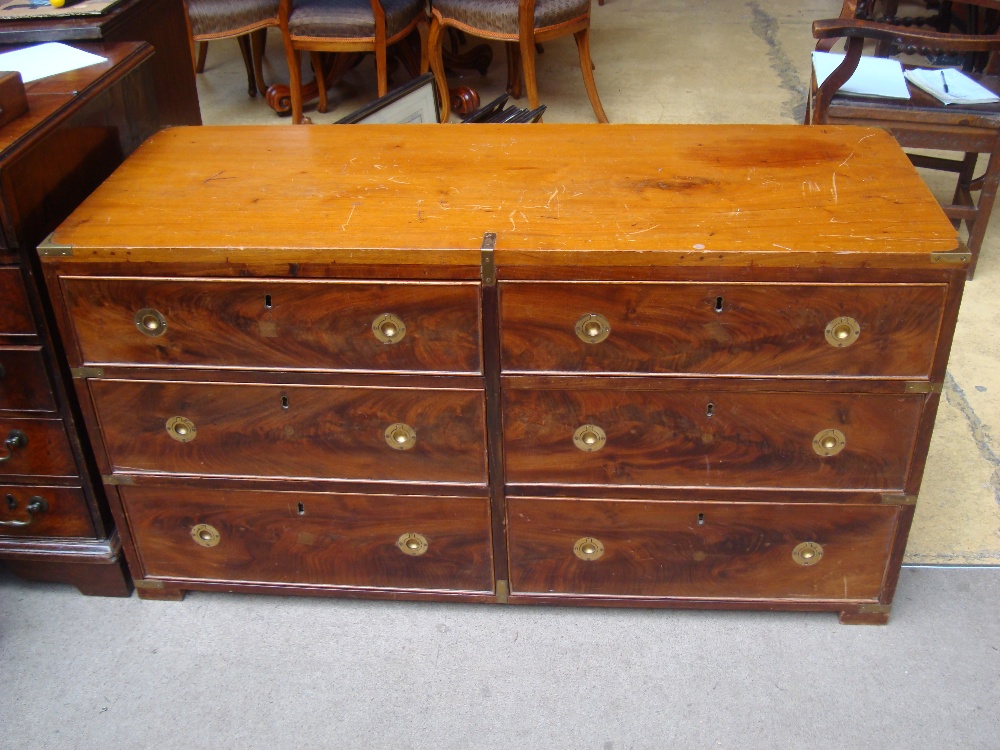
[79, 127]
[161, 23]
[620, 365]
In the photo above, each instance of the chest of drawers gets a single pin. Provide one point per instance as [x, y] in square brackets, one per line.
[654, 366]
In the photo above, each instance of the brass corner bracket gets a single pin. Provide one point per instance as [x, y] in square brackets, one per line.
[487, 264]
[47, 248]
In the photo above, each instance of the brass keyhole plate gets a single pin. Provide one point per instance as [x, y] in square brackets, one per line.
[150, 322]
[592, 328]
[181, 429]
[842, 331]
[400, 436]
[829, 442]
[205, 535]
[389, 328]
[412, 543]
[589, 438]
[588, 548]
[807, 553]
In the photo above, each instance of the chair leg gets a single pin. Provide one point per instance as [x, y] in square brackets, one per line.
[434, 52]
[258, 42]
[513, 69]
[199, 64]
[244, 41]
[528, 68]
[977, 227]
[316, 59]
[295, 83]
[586, 67]
[381, 69]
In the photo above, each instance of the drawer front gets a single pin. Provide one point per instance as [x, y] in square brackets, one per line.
[15, 318]
[44, 511]
[313, 538]
[709, 439]
[24, 382]
[292, 431]
[35, 447]
[731, 329]
[313, 325]
[699, 550]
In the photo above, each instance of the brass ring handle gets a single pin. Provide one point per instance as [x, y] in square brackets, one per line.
[36, 504]
[15, 439]
[589, 438]
[413, 544]
[181, 429]
[150, 322]
[400, 436]
[588, 548]
[389, 328]
[842, 331]
[205, 535]
[829, 442]
[807, 553]
[592, 328]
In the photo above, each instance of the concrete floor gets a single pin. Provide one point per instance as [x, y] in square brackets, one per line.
[225, 671]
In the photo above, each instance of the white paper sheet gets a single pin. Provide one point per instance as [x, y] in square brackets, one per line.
[47, 59]
[875, 76]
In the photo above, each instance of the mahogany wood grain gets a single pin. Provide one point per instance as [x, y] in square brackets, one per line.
[723, 439]
[24, 382]
[246, 429]
[314, 538]
[16, 319]
[726, 329]
[67, 513]
[107, 579]
[47, 452]
[277, 324]
[738, 551]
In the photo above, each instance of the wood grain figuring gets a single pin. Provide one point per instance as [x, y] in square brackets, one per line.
[757, 440]
[644, 194]
[24, 382]
[16, 319]
[47, 453]
[727, 329]
[325, 432]
[67, 514]
[277, 324]
[318, 538]
[739, 551]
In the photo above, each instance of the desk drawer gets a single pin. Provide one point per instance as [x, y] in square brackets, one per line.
[731, 329]
[709, 438]
[63, 512]
[699, 550]
[311, 325]
[15, 315]
[293, 431]
[35, 447]
[24, 381]
[313, 538]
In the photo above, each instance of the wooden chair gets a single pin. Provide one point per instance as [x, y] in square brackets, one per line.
[521, 24]
[922, 122]
[246, 20]
[346, 26]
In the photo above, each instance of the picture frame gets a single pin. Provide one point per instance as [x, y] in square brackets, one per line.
[414, 102]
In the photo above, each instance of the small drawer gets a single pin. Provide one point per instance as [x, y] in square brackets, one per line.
[306, 325]
[35, 447]
[699, 550]
[430, 543]
[878, 330]
[24, 381]
[293, 431]
[709, 438]
[15, 317]
[44, 511]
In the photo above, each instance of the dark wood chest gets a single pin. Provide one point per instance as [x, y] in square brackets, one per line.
[626, 365]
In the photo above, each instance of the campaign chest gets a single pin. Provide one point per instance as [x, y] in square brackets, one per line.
[629, 365]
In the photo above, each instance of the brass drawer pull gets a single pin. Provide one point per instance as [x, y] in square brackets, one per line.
[15, 439]
[589, 438]
[389, 328]
[842, 331]
[36, 505]
[181, 429]
[807, 553]
[829, 442]
[588, 548]
[205, 535]
[400, 436]
[592, 328]
[150, 322]
[412, 543]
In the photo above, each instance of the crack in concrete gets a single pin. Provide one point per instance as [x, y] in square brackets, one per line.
[765, 26]
[956, 397]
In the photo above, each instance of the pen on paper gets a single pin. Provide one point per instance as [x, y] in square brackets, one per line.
[944, 82]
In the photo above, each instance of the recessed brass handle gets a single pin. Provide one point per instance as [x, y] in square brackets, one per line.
[181, 429]
[150, 322]
[592, 328]
[829, 442]
[15, 439]
[842, 331]
[588, 548]
[412, 543]
[807, 553]
[36, 505]
[400, 436]
[205, 535]
[389, 328]
[589, 438]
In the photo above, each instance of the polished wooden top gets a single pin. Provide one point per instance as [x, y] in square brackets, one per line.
[553, 194]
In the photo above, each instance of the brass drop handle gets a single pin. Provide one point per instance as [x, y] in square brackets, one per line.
[592, 328]
[36, 505]
[412, 543]
[400, 436]
[829, 442]
[588, 548]
[842, 331]
[807, 553]
[589, 438]
[181, 429]
[15, 439]
[150, 322]
[205, 535]
[389, 328]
